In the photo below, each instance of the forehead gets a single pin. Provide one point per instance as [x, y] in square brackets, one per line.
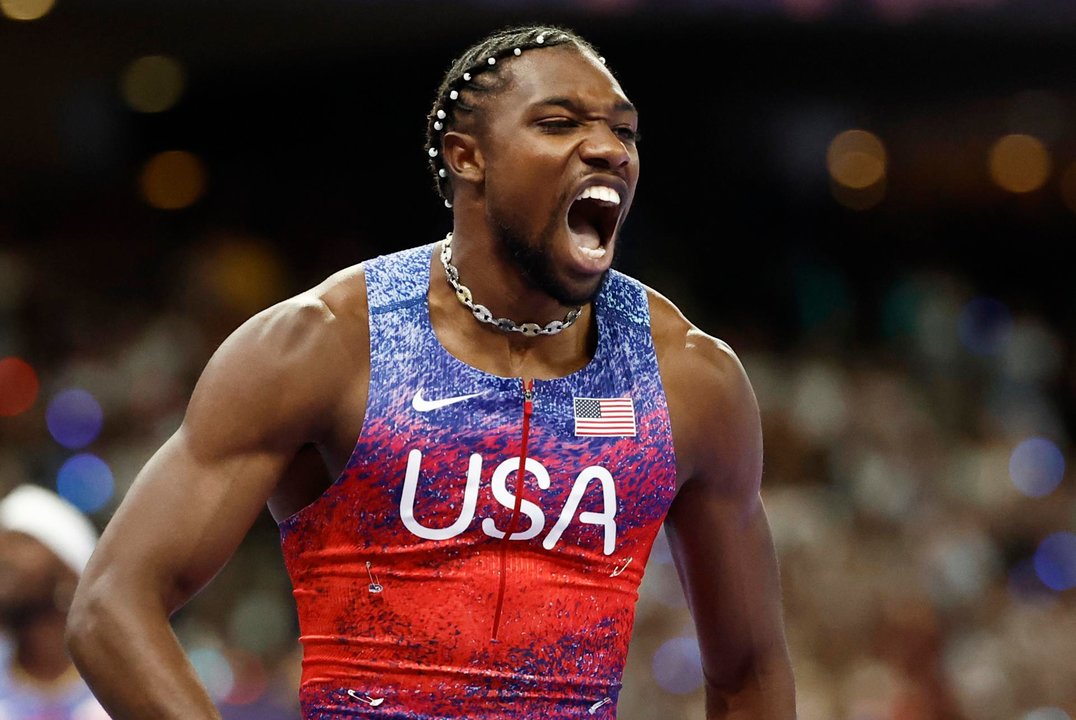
[562, 71]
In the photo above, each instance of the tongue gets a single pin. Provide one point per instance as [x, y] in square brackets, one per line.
[584, 232]
[586, 236]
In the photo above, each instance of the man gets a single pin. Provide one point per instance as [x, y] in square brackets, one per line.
[45, 543]
[479, 553]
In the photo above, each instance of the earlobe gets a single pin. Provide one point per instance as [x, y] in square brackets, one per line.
[462, 157]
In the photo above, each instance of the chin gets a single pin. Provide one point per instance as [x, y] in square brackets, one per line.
[546, 261]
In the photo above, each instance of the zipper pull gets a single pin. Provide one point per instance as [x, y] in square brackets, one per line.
[528, 396]
[598, 705]
[364, 698]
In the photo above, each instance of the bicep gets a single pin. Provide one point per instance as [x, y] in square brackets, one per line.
[255, 405]
[725, 558]
[717, 525]
[184, 516]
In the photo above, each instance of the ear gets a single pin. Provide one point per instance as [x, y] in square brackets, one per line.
[462, 156]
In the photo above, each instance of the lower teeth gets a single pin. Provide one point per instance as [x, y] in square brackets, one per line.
[593, 253]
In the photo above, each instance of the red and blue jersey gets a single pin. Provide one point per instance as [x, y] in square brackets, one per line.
[453, 571]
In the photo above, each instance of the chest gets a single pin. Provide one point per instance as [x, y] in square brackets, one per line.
[470, 463]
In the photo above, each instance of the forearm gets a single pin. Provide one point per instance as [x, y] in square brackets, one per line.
[124, 646]
[767, 693]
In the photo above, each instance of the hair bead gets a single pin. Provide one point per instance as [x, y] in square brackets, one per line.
[448, 204]
[482, 57]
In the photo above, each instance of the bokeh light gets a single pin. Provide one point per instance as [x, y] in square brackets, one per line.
[173, 180]
[261, 622]
[1020, 163]
[856, 159]
[241, 274]
[18, 386]
[74, 418]
[1036, 467]
[1024, 584]
[677, 666]
[859, 199]
[214, 670]
[153, 83]
[250, 680]
[26, 9]
[1047, 713]
[1055, 561]
[85, 480]
[984, 326]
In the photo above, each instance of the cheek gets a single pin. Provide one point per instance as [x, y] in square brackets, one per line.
[527, 195]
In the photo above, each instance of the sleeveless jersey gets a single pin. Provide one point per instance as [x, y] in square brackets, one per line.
[414, 599]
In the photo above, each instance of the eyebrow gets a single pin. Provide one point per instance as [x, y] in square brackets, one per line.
[572, 106]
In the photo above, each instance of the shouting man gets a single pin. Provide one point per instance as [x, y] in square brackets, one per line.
[509, 422]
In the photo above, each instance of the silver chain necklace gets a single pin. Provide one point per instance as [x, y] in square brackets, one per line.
[482, 313]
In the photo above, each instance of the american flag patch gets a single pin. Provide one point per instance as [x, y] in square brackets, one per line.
[604, 417]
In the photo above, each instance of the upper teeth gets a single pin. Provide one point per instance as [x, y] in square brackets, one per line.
[601, 194]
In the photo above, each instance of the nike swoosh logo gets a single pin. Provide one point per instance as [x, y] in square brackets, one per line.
[420, 404]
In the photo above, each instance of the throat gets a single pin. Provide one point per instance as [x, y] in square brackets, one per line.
[584, 232]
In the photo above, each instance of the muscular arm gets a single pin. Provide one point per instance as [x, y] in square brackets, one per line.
[269, 389]
[718, 531]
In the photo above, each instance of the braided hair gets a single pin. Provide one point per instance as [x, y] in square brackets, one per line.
[474, 74]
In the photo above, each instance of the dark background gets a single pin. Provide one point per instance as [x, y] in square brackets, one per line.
[900, 352]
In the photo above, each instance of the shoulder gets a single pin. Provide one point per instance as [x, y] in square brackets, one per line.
[308, 323]
[288, 365]
[712, 406]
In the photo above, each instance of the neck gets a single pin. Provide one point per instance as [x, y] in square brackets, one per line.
[494, 277]
[496, 283]
[40, 651]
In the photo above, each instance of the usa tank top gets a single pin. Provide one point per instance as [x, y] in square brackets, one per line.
[480, 555]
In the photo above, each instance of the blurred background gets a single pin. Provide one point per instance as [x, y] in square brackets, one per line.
[869, 199]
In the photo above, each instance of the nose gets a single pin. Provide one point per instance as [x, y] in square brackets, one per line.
[602, 148]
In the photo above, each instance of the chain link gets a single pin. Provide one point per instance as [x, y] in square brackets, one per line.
[482, 313]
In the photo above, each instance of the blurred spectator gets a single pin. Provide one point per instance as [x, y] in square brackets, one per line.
[45, 543]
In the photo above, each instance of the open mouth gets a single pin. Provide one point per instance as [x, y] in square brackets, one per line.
[592, 219]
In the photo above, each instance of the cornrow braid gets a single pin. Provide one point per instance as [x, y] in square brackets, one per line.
[474, 74]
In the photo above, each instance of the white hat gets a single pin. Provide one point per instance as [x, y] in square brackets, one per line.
[52, 521]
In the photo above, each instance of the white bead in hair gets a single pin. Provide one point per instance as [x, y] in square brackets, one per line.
[540, 40]
[453, 95]
[433, 152]
[517, 52]
[441, 115]
[442, 172]
[492, 61]
[466, 77]
[448, 204]
[437, 125]
[601, 59]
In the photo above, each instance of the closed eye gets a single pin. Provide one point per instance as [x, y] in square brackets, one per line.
[558, 125]
[627, 134]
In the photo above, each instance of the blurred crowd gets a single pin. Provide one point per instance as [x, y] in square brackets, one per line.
[916, 483]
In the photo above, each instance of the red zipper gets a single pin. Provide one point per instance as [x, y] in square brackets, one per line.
[528, 410]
